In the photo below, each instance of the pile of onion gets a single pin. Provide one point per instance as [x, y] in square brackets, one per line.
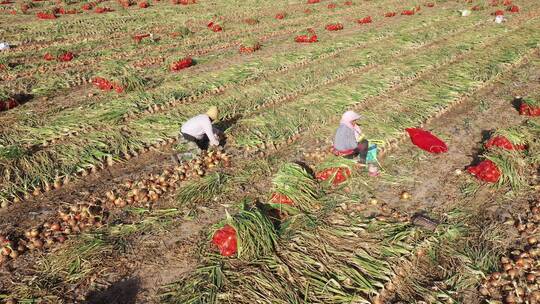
[519, 278]
[86, 216]
[72, 220]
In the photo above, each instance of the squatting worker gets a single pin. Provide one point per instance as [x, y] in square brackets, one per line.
[198, 134]
[348, 139]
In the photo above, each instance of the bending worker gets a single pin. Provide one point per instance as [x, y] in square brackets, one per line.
[198, 134]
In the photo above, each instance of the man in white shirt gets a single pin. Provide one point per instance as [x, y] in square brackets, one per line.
[198, 134]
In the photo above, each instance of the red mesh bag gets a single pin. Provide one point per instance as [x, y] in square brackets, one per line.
[279, 198]
[139, 37]
[182, 64]
[8, 104]
[336, 175]
[225, 240]
[426, 141]
[513, 9]
[42, 15]
[365, 20]
[334, 27]
[306, 38]
[48, 56]
[528, 110]
[503, 142]
[65, 57]
[486, 171]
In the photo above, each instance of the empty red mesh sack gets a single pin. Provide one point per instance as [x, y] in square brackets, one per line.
[426, 141]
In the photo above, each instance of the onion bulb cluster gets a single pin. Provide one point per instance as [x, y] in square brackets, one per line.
[519, 278]
[316, 155]
[72, 220]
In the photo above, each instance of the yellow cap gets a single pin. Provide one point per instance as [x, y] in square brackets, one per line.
[213, 113]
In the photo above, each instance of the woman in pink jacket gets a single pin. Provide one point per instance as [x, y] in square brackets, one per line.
[347, 141]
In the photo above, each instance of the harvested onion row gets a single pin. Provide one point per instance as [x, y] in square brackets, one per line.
[85, 216]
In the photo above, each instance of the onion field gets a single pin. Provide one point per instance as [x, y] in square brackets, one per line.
[93, 95]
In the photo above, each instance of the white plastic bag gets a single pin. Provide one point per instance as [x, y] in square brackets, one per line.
[4, 46]
[465, 13]
[499, 19]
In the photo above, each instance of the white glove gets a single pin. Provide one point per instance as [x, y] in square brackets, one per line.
[214, 141]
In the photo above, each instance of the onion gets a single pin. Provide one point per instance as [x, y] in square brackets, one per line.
[524, 254]
[34, 233]
[531, 278]
[512, 273]
[120, 203]
[38, 244]
[55, 227]
[57, 184]
[49, 241]
[6, 251]
[110, 195]
[14, 254]
[484, 291]
[510, 298]
[532, 240]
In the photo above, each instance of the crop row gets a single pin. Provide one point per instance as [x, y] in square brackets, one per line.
[234, 30]
[196, 46]
[280, 124]
[236, 75]
[116, 142]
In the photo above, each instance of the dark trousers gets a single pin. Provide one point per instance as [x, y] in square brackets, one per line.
[360, 152]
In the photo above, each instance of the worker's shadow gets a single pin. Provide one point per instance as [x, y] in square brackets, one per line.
[516, 103]
[225, 124]
[23, 98]
[122, 292]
